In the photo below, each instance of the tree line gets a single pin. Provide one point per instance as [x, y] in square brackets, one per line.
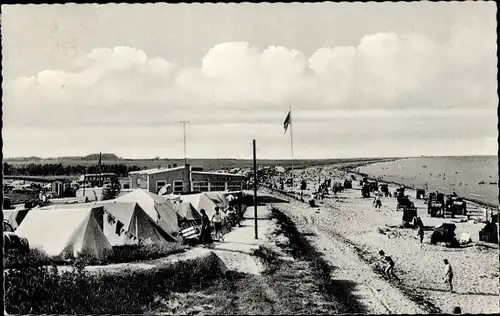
[121, 170]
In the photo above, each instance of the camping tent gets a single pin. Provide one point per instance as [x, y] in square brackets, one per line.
[223, 198]
[125, 223]
[16, 216]
[10, 216]
[63, 231]
[158, 208]
[187, 212]
[218, 198]
[136, 223]
[201, 201]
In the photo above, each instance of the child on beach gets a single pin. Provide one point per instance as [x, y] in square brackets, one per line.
[389, 265]
[448, 276]
[377, 202]
[420, 234]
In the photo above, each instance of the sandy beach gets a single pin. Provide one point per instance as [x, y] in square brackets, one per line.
[350, 220]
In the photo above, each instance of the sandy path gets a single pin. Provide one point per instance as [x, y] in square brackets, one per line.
[377, 296]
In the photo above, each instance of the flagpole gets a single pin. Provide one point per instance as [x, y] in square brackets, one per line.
[291, 142]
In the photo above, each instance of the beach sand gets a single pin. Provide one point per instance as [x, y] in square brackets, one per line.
[353, 220]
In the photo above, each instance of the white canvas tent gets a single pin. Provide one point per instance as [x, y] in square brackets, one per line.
[158, 208]
[135, 222]
[127, 225]
[218, 198]
[63, 231]
[222, 198]
[10, 217]
[201, 201]
[187, 212]
[15, 217]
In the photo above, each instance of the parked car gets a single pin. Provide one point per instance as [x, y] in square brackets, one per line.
[11, 241]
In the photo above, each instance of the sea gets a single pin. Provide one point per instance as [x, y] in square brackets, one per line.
[471, 177]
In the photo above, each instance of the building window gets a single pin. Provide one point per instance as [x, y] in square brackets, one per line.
[200, 186]
[217, 186]
[159, 185]
[178, 186]
[142, 181]
[234, 186]
[126, 186]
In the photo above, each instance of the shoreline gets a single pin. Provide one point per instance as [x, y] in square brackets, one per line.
[351, 166]
[470, 200]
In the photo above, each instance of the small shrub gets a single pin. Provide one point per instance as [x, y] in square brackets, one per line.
[118, 254]
[129, 253]
[269, 257]
[33, 258]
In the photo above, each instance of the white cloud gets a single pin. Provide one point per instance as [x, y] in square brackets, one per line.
[123, 86]
[230, 60]
[282, 62]
[118, 58]
[332, 59]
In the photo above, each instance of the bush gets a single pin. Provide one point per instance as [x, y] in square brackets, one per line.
[46, 290]
[118, 254]
[33, 258]
[130, 253]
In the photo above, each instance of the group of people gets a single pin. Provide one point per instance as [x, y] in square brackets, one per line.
[216, 222]
[388, 269]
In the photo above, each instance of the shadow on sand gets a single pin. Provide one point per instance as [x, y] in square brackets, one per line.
[301, 248]
[457, 293]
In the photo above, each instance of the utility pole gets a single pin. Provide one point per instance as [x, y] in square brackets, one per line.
[184, 129]
[255, 187]
[100, 170]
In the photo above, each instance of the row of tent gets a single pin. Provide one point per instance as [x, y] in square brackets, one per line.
[136, 217]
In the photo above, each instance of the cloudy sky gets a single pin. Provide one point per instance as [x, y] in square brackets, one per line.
[363, 79]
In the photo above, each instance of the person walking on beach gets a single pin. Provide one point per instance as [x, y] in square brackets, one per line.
[217, 220]
[448, 276]
[420, 234]
[206, 236]
[389, 265]
[377, 202]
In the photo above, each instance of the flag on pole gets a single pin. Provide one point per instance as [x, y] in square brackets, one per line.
[288, 120]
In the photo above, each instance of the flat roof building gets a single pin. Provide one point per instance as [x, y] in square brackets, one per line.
[185, 179]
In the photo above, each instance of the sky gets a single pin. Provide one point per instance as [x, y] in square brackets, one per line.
[361, 79]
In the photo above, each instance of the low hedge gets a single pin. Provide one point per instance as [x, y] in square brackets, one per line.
[118, 254]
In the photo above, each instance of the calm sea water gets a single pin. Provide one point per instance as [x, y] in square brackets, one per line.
[445, 174]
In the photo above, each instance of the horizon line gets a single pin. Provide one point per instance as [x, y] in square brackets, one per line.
[229, 158]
